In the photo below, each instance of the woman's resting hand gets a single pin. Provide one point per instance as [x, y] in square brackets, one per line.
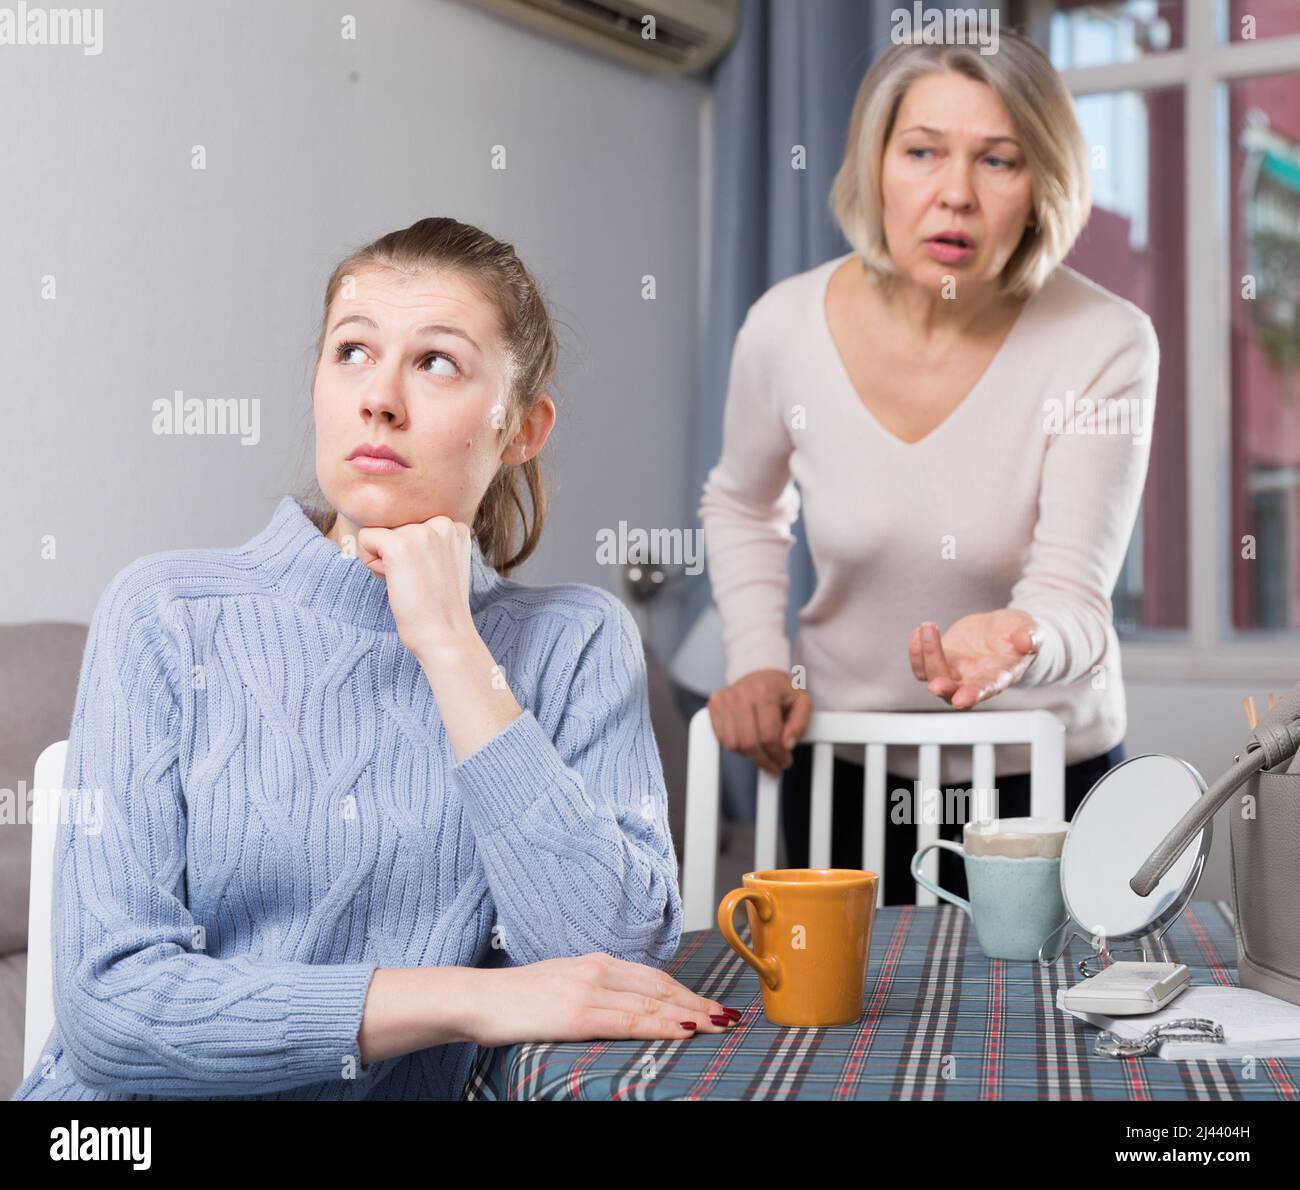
[978, 657]
[761, 716]
[584, 999]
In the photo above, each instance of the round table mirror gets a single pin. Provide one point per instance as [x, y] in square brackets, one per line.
[1124, 817]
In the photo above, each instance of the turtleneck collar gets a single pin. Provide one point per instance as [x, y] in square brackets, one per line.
[310, 569]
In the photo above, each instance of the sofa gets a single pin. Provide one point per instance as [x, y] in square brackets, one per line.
[40, 664]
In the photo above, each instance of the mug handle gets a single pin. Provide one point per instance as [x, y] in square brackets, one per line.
[924, 882]
[769, 966]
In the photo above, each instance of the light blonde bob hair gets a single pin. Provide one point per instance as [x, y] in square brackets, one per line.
[1042, 113]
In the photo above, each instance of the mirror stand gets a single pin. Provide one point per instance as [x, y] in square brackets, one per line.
[1123, 817]
[1145, 948]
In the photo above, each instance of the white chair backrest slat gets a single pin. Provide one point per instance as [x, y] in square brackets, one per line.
[47, 791]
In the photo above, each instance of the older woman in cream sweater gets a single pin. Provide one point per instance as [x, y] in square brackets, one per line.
[968, 424]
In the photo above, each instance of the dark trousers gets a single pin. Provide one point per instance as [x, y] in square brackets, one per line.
[900, 838]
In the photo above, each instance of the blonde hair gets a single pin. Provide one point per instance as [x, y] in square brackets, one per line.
[531, 351]
[1042, 111]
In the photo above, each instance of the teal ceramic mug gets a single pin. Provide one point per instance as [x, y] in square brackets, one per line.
[1013, 874]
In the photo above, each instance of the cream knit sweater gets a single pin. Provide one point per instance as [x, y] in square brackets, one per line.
[1025, 497]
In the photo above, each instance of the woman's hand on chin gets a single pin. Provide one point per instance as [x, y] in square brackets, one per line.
[426, 565]
[588, 998]
[977, 658]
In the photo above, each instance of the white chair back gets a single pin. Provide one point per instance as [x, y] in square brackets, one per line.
[876, 731]
[47, 790]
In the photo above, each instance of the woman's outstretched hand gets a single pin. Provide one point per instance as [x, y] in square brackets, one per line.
[587, 998]
[978, 657]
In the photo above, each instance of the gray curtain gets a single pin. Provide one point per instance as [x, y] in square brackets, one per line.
[789, 79]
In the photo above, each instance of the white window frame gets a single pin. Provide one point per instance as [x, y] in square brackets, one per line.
[1208, 651]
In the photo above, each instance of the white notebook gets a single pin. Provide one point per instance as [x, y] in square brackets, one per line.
[1254, 1024]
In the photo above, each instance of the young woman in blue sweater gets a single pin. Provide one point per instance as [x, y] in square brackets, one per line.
[344, 801]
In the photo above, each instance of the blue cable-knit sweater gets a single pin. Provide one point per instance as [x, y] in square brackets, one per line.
[272, 811]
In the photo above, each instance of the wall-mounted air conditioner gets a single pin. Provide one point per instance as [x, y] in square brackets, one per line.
[688, 35]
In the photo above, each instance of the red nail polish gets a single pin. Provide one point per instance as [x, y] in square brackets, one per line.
[731, 1012]
[719, 1018]
[687, 1024]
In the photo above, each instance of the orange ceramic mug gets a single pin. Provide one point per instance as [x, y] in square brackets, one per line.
[811, 929]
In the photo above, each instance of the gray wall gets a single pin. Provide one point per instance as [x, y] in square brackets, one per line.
[210, 281]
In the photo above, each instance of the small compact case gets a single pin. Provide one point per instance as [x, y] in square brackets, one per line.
[1128, 989]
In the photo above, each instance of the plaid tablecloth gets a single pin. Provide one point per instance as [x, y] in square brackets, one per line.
[941, 1021]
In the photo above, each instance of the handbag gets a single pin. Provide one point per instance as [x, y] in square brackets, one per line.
[1265, 839]
[1266, 883]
